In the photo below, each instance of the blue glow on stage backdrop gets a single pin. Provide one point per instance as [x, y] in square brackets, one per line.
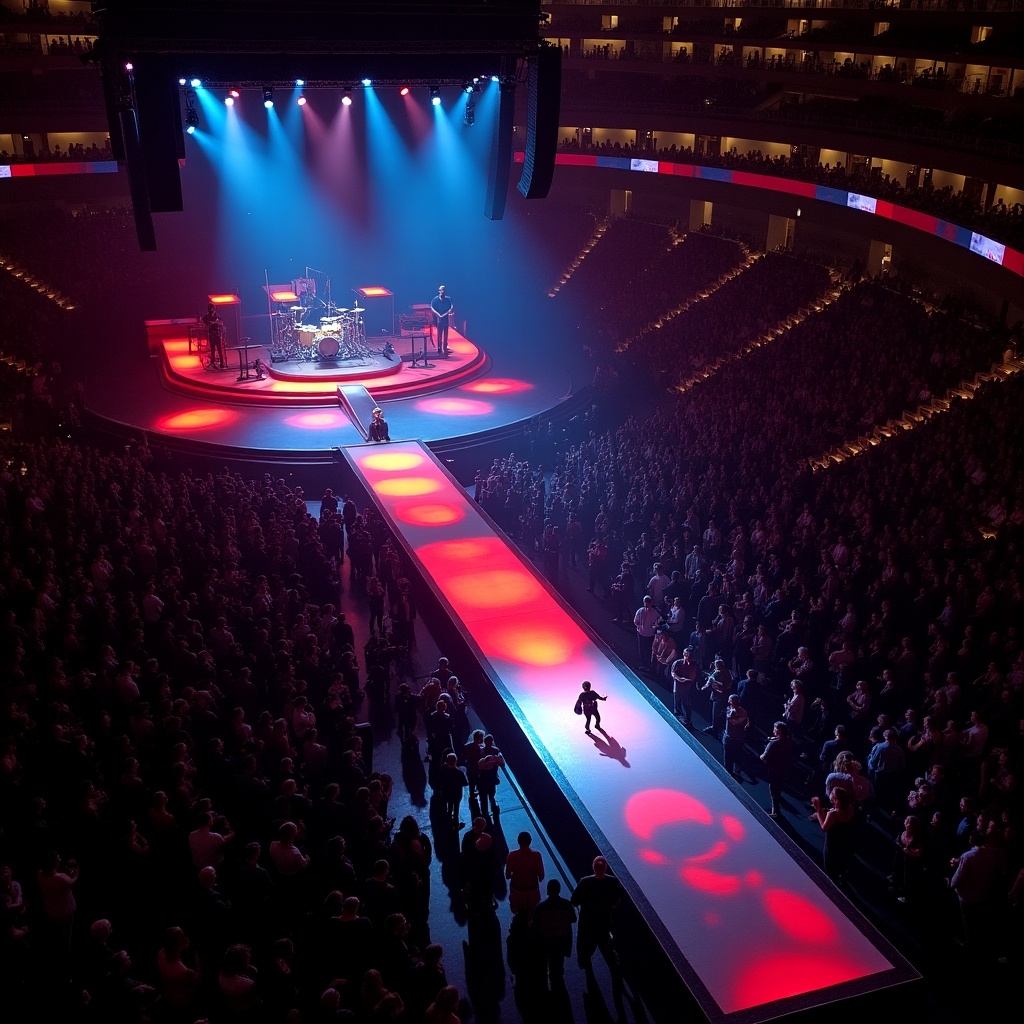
[388, 189]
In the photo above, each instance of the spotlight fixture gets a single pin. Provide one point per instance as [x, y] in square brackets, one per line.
[129, 66]
[367, 83]
[229, 101]
[196, 83]
[435, 96]
[404, 91]
[234, 94]
[301, 101]
[300, 82]
[346, 98]
[191, 118]
[181, 81]
[268, 96]
[467, 86]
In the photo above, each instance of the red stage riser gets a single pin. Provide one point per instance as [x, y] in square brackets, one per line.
[386, 382]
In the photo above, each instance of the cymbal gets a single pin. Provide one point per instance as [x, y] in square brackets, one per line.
[296, 309]
[357, 309]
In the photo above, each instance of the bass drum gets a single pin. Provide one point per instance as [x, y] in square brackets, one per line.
[328, 347]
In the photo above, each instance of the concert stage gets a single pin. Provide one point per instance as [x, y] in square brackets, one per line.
[490, 384]
[752, 926]
[253, 376]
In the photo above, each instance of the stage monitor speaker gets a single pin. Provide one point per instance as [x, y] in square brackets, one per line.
[542, 122]
[501, 151]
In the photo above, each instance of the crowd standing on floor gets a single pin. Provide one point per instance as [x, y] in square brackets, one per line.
[191, 825]
[854, 630]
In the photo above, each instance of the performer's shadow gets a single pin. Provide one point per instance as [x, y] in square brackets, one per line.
[608, 746]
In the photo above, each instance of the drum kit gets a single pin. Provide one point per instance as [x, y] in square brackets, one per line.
[337, 337]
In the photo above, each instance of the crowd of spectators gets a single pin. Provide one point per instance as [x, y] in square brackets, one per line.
[91, 285]
[625, 248]
[65, 46]
[999, 219]
[743, 308]
[808, 64]
[29, 374]
[167, 643]
[33, 29]
[664, 270]
[673, 277]
[191, 824]
[874, 608]
[38, 12]
[863, 360]
[74, 151]
[557, 236]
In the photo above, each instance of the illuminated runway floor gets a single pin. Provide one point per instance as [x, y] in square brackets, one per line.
[752, 926]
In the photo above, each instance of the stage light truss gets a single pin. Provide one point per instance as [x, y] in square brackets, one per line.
[341, 84]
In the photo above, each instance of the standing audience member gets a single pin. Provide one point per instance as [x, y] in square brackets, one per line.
[488, 777]
[596, 897]
[777, 755]
[646, 622]
[524, 869]
[451, 782]
[553, 919]
[838, 825]
[733, 739]
[684, 679]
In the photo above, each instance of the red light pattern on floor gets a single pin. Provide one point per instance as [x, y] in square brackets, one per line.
[409, 485]
[799, 917]
[317, 420]
[196, 419]
[780, 975]
[436, 514]
[454, 406]
[497, 386]
[393, 461]
[693, 850]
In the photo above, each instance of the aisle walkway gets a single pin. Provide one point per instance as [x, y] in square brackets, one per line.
[475, 956]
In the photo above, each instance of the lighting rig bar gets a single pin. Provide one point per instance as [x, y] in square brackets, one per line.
[257, 84]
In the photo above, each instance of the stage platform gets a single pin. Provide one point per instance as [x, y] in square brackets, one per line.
[310, 380]
[753, 927]
[157, 386]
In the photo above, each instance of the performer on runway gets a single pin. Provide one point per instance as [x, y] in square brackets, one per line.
[586, 704]
[442, 308]
[215, 333]
[379, 426]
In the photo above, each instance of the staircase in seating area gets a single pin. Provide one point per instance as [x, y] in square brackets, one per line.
[584, 253]
[1002, 369]
[47, 291]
